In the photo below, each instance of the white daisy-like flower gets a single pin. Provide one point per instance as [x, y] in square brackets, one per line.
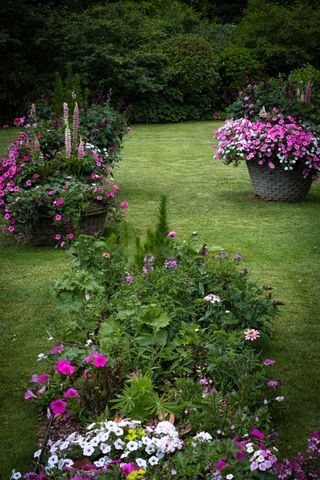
[119, 432]
[125, 455]
[141, 463]
[149, 449]
[132, 445]
[229, 476]
[53, 460]
[88, 450]
[153, 460]
[64, 445]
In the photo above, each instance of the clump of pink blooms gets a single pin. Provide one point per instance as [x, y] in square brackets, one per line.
[212, 298]
[24, 169]
[63, 371]
[278, 143]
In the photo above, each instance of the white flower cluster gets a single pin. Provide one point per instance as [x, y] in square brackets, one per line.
[125, 440]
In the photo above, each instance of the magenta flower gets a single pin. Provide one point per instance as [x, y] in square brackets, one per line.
[58, 218]
[72, 392]
[58, 406]
[172, 234]
[64, 367]
[43, 377]
[269, 361]
[11, 229]
[124, 205]
[255, 432]
[28, 183]
[71, 236]
[100, 360]
[220, 465]
[57, 349]
[35, 378]
[273, 383]
[58, 236]
[128, 468]
[251, 334]
[51, 192]
[29, 394]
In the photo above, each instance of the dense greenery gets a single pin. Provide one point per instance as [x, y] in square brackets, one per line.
[160, 60]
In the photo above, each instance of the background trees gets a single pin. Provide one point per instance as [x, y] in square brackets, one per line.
[160, 60]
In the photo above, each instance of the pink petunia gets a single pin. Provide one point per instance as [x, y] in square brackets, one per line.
[64, 367]
[43, 377]
[256, 433]
[57, 349]
[29, 394]
[58, 218]
[220, 465]
[172, 234]
[72, 392]
[58, 406]
[99, 360]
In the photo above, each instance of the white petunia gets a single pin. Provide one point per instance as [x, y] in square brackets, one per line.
[141, 463]
[105, 448]
[15, 475]
[37, 454]
[118, 444]
[153, 460]
[132, 445]
[88, 449]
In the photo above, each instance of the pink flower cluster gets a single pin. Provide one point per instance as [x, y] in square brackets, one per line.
[278, 143]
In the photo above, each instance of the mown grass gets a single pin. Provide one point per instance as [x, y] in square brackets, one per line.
[280, 243]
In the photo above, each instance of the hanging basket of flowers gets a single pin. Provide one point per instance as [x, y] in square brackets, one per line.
[49, 200]
[283, 157]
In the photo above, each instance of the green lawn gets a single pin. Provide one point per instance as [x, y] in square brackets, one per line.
[280, 243]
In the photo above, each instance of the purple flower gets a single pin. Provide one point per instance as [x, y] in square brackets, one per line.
[273, 383]
[238, 257]
[171, 263]
[129, 278]
[222, 255]
[269, 361]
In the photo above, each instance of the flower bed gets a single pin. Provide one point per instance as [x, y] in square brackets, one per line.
[162, 373]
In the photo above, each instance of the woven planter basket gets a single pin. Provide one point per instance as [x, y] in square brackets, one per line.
[278, 185]
[43, 233]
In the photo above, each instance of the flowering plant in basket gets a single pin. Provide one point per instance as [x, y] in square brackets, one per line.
[278, 142]
[55, 191]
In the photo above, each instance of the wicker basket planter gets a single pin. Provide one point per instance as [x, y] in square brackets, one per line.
[278, 185]
[43, 233]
